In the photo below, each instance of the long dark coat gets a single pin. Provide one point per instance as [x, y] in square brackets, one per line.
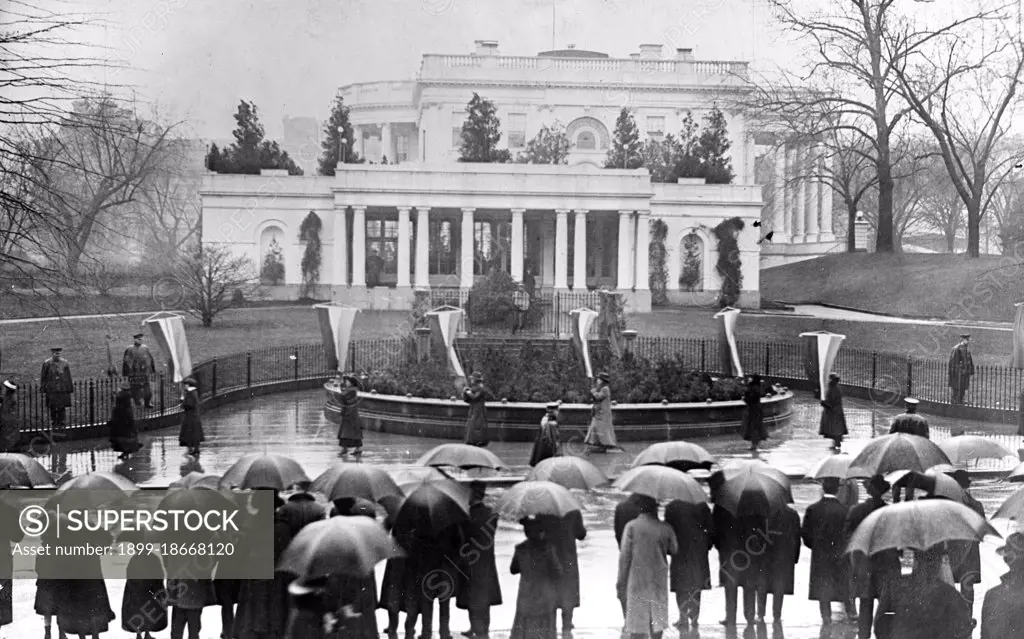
[753, 417]
[83, 607]
[137, 365]
[144, 604]
[923, 609]
[476, 420]
[911, 424]
[736, 565]
[10, 533]
[546, 445]
[479, 587]
[537, 564]
[392, 593]
[695, 534]
[10, 423]
[124, 436]
[1002, 614]
[965, 556]
[961, 368]
[428, 570]
[47, 567]
[833, 421]
[306, 617]
[563, 533]
[783, 550]
[55, 383]
[871, 576]
[350, 431]
[191, 433]
[625, 512]
[823, 531]
[1020, 414]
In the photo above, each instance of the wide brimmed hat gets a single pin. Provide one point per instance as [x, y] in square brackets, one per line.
[834, 376]
[8, 384]
[355, 380]
[56, 349]
[477, 376]
[878, 482]
[138, 335]
[604, 376]
[190, 381]
[965, 335]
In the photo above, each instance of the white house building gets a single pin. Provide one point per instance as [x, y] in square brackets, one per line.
[424, 220]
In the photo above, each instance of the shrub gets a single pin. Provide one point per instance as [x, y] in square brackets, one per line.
[272, 272]
[729, 265]
[490, 299]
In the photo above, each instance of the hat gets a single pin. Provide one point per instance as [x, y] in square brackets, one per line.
[56, 349]
[191, 381]
[354, 380]
[604, 376]
[879, 483]
[833, 376]
[477, 376]
[8, 384]
[1013, 551]
[965, 336]
[126, 385]
[910, 401]
[553, 405]
[138, 335]
[301, 587]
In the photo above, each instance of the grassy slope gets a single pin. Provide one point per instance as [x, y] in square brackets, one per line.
[933, 286]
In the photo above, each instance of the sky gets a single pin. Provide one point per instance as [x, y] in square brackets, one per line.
[195, 59]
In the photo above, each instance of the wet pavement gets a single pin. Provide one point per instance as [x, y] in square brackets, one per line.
[294, 424]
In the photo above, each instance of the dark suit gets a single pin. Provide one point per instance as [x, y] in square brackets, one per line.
[783, 555]
[870, 576]
[137, 366]
[823, 531]
[961, 369]
[478, 586]
[56, 385]
[690, 572]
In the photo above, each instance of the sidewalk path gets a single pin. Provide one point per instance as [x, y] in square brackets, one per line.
[829, 312]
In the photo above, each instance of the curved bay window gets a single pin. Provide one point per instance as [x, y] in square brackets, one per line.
[381, 252]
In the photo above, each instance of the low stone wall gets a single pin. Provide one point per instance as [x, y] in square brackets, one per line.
[518, 421]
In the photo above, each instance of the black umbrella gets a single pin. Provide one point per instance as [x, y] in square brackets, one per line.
[434, 506]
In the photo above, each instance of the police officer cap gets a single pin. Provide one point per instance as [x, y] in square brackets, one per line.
[138, 335]
[56, 349]
[910, 401]
[965, 336]
[552, 405]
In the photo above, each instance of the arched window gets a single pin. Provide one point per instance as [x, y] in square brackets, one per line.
[691, 268]
[586, 141]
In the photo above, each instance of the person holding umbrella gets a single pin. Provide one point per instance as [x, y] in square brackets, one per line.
[910, 422]
[479, 589]
[309, 609]
[124, 436]
[539, 569]
[966, 556]
[783, 553]
[547, 443]
[823, 531]
[922, 605]
[833, 421]
[563, 533]
[143, 609]
[690, 573]
[753, 416]
[476, 396]
[10, 533]
[601, 434]
[1002, 613]
[350, 432]
[961, 368]
[642, 584]
[191, 433]
[392, 595]
[355, 596]
[871, 575]
[10, 424]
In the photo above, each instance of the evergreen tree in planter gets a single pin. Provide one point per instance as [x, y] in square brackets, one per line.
[481, 133]
[309, 233]
[272, 272]
[627, 150]
[729, 265]
[691, 275]
[713, 148]
[658, 277]
[331, 145]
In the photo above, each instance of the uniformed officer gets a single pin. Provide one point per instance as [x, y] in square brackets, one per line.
[138, 365]
[56, 384]
[910, 422]
[961, 369]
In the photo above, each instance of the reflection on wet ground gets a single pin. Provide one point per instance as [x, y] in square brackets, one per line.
[294, 424]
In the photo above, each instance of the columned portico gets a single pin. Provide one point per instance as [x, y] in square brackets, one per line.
[624, 282]
[516, 267]
[579, 254]
[800, 198]
[359, 246]
[813, 193]
[561, 249]
[404, 241]
[339, 264]
[422, 248]
[468, 255]
[385, 143]
[643, 257]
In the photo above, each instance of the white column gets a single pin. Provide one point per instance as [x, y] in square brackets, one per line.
[339, 274]
[468, 255]
[787, 180]
[813, 192]
[827, 232]
[422, 248]
[779, 225]
[358, 246]
[561, 248]
[579, 255]
[362, 141]
[624, 281]
[404, 240]
[799, 191]
[385, 143]
[518, 229]
[750, 173]
[643, 251]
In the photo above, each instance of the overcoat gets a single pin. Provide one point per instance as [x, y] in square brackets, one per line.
[736, 565]
[144, 604]
[563, 533]
[911, 424]
[695, 535]
[923, 609]
[306, 617]
[537, 565]
[191, 433]
[428, 565]
[137, 365]
[824, 532]
[753, 416]
[833, 421]
[10, 423]
[55, 383]
[10, 533]
[625, 512]
[643, 573]
[961, 367]
[476, 420]
[350, 431]
[871, 576]
[546, 445]
[124, 437]
[783, 550]
[479, 586]
[83, 607]
[1002, 614]
[392, 593]
[965, 556]
[601, 431]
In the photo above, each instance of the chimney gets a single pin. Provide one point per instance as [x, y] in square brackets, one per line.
[486, 47]
[650, 51]
[684, 54]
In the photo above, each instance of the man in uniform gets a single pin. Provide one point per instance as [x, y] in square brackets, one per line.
[910, 422]
[961, 368]
[138, 365]
[57, 387]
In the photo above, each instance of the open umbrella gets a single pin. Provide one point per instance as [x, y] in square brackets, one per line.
[965, 448]
[434, 506]
[196, 480]
[409, 479]
[749, 490]
[935, 483]
[1016, 475]
[22, 471]
[532, 498]
[1013, 508]
[661, 483]
[918, 525]
[569, 472]
[93, 490]
[743, 466]
[337, 546]
[835, 466]
[355, 480]
[461, 456]
[889, 453]
[269, 470]
[679, 455]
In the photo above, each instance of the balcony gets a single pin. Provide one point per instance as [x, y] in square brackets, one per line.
[380, 94]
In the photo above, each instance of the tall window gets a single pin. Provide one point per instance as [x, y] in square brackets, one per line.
[656, 126]
[492, 241]
[403, 148]
[586, 141]
[457, 120]
[516, 130]
[382, 241]
[442, 248]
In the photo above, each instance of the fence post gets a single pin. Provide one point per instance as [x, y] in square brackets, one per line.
[163, 407]
[213, 380]
[767, 359]
[295, 360]
[874, 369]
[248, 369]
[558, 314]
[92, 402]
[910, 376]
[703, 357]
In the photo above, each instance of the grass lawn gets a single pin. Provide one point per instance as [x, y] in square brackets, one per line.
[909, 285]
[25, 304]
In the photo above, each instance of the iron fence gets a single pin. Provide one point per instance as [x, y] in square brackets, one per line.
[549, 316]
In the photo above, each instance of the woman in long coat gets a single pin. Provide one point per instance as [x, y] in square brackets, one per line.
[83, 607]
[144, 604]
[10, 533]
[357, 592]
[47, 567]
[191, 433]
[753, 417]
[124, 436]
[601, 435]
[690, 572]
[642, 583]
[392, 592]
[350, 432]
[546, 445]
[833, 421]
[476, 421]
[10, 424]
[479, 588]
[563, 533]
[537, 564]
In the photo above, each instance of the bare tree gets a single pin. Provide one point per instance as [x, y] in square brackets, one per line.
[942, 208]
[167, 213]
[912, 183]
[210, 278]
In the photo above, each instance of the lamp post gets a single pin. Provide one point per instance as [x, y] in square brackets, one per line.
[342, 144]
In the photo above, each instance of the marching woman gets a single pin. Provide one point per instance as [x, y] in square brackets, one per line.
[753, 419]
[350, 432]
[191, 433]
[144, 603]
[601, 436]
[833, 422]
[546, 444]
[124, 436]
[476, 422]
